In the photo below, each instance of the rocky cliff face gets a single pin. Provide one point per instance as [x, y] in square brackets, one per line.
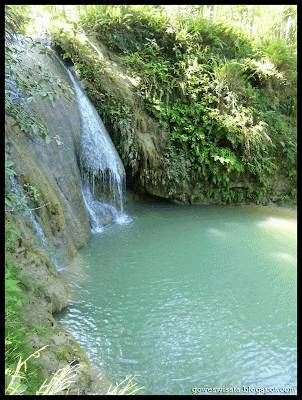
[138, 138]
[53, 171]
[142, 140]
[44, 293]
[51, 168]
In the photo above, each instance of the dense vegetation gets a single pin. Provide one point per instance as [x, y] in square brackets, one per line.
[227, 107]
[221, 81]
[22, 374]
[226, 98]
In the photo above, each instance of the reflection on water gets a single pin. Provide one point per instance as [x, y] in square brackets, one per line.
[273, 223]
[215, 232]
[189, 297]
[285, 257]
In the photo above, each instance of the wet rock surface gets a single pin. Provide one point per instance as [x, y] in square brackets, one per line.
[51, 168]
[141, 141]
[45, 294]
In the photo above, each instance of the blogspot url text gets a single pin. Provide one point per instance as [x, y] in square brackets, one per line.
[244, 389]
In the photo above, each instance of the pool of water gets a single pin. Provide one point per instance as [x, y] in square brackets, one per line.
[190, 297]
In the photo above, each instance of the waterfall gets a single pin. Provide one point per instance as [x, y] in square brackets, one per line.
[36, 225]
[102, 172]
[96, 49]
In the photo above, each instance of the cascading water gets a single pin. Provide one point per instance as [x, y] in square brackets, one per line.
[36, 226]
[96, 49]
[18, 189]
[103, 174]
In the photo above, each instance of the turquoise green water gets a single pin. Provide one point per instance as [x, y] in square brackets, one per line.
[190, 297]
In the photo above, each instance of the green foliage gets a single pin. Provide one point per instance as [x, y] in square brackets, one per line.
[113, 110]
[211, 105]
[19, 84]
[15, 376]
[231, 76]
[222, 38]
[83, 56]
[256, 194]
[284, 198]
[11, 236]
[13, 199]
[8, 169]
[118, 25]
[19, 79]
[13, 304]
[283, 56]
[13, 20]
[11, 300]
[20, 377]
[232, 196]
[213, 89]
[27, 124]
[226, 101]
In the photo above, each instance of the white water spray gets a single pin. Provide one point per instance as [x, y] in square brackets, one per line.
[103, 174]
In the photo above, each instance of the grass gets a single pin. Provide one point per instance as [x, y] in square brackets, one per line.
[15, 381]
[126, 387]
[60, 381]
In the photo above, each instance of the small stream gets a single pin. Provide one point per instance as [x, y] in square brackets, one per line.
[190, 297]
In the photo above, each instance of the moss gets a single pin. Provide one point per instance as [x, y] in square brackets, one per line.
[72, 351]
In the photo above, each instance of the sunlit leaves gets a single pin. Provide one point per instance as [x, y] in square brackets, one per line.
[216, 92]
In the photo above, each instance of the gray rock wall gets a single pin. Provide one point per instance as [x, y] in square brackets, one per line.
[51, 168]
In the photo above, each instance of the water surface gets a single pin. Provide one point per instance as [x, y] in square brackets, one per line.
[189, 297]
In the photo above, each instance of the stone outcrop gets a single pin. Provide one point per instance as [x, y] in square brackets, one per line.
[138, 138]
[51, 168]
[53, 171]
[44, 294]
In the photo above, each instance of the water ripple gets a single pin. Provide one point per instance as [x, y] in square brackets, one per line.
[196, 310]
